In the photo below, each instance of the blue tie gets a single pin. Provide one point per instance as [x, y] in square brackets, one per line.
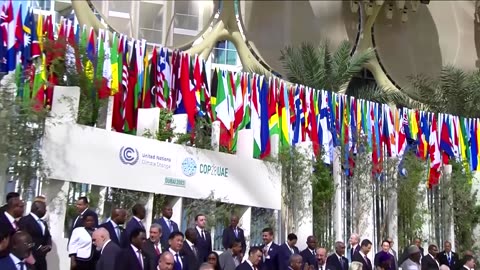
[177, 265]
[21, 264]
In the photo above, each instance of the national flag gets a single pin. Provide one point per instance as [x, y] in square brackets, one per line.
[205, 94]
[474, 146]
[284, 115]
[264, 128]
[434, 151]
[225, 109]
[114, 65]
[446, 145]
[150, 96]
[256, 123]
[130, 104]
[119, 97]
[8, 27]
[106, 87]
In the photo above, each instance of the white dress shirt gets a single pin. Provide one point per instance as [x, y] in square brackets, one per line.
[80, 243]
[116, 228]
[174, 253]
[11, 219]
[39, 222]
[169, 223]
[138, 254]
[250, 263]
[200, 232]
[81, 214]
[16, 261]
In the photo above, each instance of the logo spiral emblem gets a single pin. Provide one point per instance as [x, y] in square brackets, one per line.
[129, 155]
[189, 167]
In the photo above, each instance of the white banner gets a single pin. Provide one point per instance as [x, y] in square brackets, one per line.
[99, 157]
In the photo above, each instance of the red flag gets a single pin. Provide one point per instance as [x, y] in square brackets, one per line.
[130, 112]
[118, 99]
[188, 95]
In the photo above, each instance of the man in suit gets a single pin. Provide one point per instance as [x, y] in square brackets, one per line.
[361, 255]
[168, 225]
[309, 254]
[152, 247]
[287, 249]
[38, 230]
[321, 258]
[447, 256]
[354, 245]
[113, 226]
[9, 196]
[21, 248]
[175, 241]
[4, 241]
[109, 250]
[232, 234]
[337, 260]
[429, 262]
[166, 261]
[189, 249]
[132, 257]
[14, 211]
[138, 212]
[204, 239]
[271, 251]
[231, 258]
[469, 262]
[254, 258]
[82, 209]
[393, 252]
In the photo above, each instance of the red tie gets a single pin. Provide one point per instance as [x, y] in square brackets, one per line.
[157, 250]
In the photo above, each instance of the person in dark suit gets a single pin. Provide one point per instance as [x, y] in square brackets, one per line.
[21, 248]
[168, 225]
[309, 254]
[132, 257]
[4, 241]
[448, 257]
[138, 212]
[383, 259]
[354, 246]
[175, 242]
[14, 211]
[361, 256]
[429, 262]
[271, 251]
[109, 250]
[233, 233]
[189, 250]
[204, 239]
[9, 196]
[152, 247]
[468, 262]
[82, 210]
[114, 225]
[337, 260]
[38, 230]
[321, 258]
[287, 249]
[254, 258]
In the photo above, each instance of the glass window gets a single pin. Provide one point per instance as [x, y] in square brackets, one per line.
[261, 219]
[186, 15]
[151, 21]
[120, 6]
[225, 53]
[42, 4]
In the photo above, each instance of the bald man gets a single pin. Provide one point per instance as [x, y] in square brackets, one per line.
[114, 225]
[166, 261]
[108, 249]
[296, 261]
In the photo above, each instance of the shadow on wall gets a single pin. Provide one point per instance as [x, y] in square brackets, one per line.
[272, 25]
[58, 259]
[476, 31]
[409, 48]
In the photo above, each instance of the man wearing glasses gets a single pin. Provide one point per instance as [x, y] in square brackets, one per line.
[22, 245]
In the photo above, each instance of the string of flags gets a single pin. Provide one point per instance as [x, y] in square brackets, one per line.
[177, 81]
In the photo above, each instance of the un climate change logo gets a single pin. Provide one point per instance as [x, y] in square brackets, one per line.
[189, 167]
[129, 155]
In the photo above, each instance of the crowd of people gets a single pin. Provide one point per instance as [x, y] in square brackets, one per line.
[117, 244]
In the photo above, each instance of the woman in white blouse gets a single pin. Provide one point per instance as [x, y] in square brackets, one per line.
[82, 253]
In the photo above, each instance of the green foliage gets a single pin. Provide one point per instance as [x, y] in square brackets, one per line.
[202, 135]
[466, 212]
[126, 199]
[410, 199]
[320, 67]
[323, 191]
[22, 128]
[165, 128]
[216, 211]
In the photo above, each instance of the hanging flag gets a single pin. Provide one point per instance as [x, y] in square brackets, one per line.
[264, 128]
[256, 123]
[434, 151]
[106, 88]
[130, 102]
[119, 97]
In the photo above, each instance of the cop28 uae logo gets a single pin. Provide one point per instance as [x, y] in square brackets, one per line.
[189, 167]
[129, 155]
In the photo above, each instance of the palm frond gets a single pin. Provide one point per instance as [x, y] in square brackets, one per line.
[312, 65]
[292, 62]
[345, 66]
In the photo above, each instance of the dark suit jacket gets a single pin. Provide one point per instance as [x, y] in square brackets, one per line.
[108, 257]
[5, 224]
[113, 235]
[428, 263]
[273, 263]
[309, 258]
[31, 226]
[128, 260]
[204, 246]
[367, 264]
[132, 224]
[166, 230]
[229, 237]
[351, 252]
[6, 263]
[333, 263]
[149, 250]
[192, 261]
[79, 221]
[244, 266]
[443, 259]
[284, 255]
[376, 260]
